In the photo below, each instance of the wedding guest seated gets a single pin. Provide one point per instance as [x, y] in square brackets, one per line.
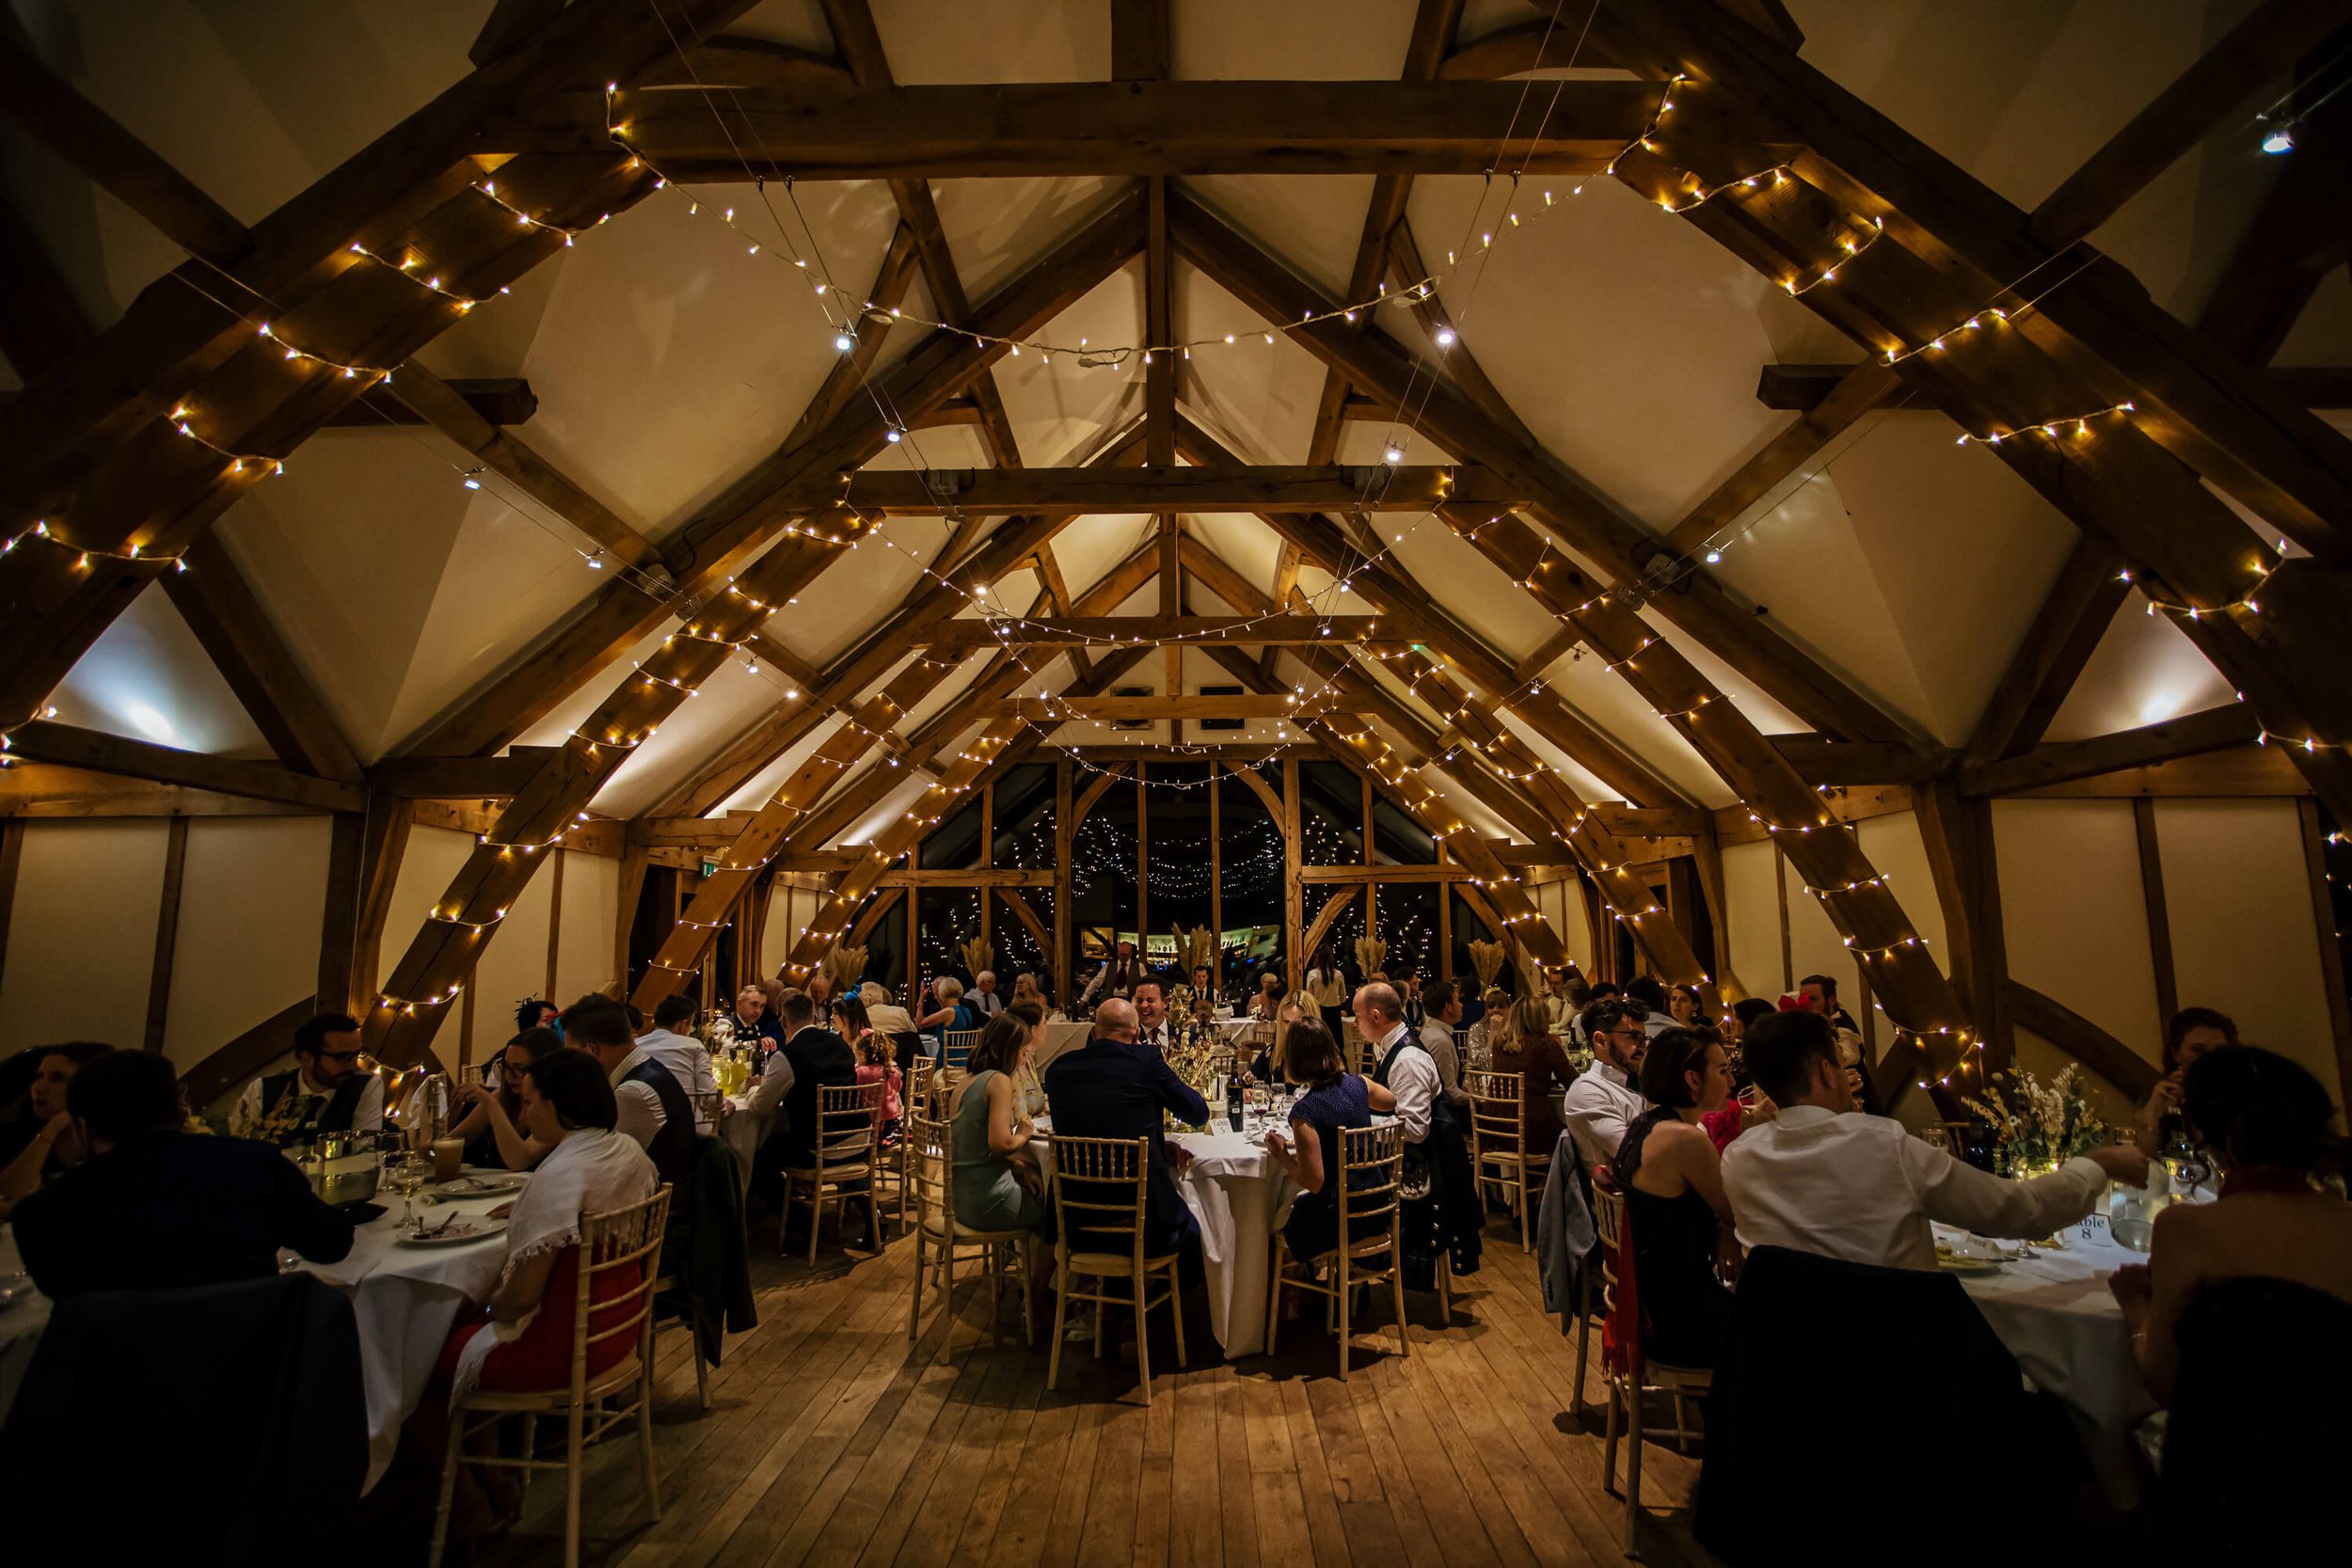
[1684, 1006]
[1818, 1178]
[671, 1042]
[39, 1143]
[1271, 1063]
[996, 1186]
[1115, 1087]
[1493, 1008]
[326, 1090]
[2239, 1316]
[983, 999]
[1645, 989]
[885, 1015]
[492, 1129]
[877, 1063]
[813, 1057]
[1603, 1100]
[154, 1206]
[1820, 996]
[1441, 1014]
[949, 1013]
[654, 1111]
[1525, 1044]
[1676, 1217]
[522, 1341]
[1025, 990]
[2187, 1036]
[1265, 1003]
[1335, 1099]
[751, 1023]
[1568, 995]
[1151, 1026]
[2266, 1120]
[535, 1013]
[1734, 1024]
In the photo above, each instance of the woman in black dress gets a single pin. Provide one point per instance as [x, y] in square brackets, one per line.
[1677, 1217]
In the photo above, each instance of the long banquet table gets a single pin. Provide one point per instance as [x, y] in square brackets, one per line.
[405, 1299]
[2053, 1309]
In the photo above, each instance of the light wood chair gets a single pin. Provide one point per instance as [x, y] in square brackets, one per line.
[1099, 1187]
[842, 1169]
[939, 1237]
[1371, 1167]
[915, 1102]
[709, 1105]
[1629, 1373]
[624, 1244]
[1462, 1048]
[1499, 1145]
[955, 1049]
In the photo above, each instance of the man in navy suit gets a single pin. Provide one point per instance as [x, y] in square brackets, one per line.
[1114, 1086]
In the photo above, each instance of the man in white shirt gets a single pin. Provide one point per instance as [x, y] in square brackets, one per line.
[688, 1058]
[1604, 1099]
[1442, 1007]
[327, 1091]
[1151, 1016]
[983, 998]
[883, 1014]
[1413, 1076]
[1823, 1179]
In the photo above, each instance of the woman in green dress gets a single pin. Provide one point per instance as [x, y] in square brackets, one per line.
[996, 1184]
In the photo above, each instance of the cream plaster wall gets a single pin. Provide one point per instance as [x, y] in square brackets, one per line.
[82, 932]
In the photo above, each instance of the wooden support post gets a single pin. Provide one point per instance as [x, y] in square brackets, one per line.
[1143, 862]
[11, 858]
[2151, 895]
[555, 923]
[1294, 889]
[167, 935]
[1065, 829]
[2332, 975]
[1217, 879]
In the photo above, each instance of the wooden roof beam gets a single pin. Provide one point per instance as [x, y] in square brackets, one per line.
[44, 740]
[1167, 487]
[221, 607]
[41, 320]
[2259, 51]
[94, 142]
[2321, 388]
[1563, 500]
[748, 515]
[2075, 615]
[1035, 129]
[2212, 730]
[2191, 397]
[1860, 389]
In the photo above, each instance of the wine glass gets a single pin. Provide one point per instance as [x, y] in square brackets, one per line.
[405, 1172]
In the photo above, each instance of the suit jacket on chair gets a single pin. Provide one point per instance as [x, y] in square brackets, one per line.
[1117, 1089]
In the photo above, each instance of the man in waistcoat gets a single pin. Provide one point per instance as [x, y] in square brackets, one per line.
[325, 1091]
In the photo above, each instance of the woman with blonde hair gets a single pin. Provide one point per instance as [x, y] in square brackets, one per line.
[1495, 1007]
[1523, 1043]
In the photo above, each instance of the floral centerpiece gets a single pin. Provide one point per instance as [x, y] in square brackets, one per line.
[2034, 1129]
[1195, 1061]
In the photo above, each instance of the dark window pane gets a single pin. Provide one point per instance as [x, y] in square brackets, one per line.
[1103, 872]
[1177, 841]
[1024, 818]
[1409, 923]
[947, 917]
[1331, 814]
[886, 949]
[1468, 928]
[955, 843]
[1397, 839]
[1250, 844]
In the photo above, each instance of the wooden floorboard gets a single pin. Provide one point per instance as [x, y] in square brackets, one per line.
[835, 1440]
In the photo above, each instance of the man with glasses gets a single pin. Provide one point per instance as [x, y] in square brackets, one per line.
[327, 1091]
[1603, 1098]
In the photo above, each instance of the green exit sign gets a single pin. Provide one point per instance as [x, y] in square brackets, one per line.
[711, 868]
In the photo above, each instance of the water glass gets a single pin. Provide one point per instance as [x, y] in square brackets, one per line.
[2132, 1211]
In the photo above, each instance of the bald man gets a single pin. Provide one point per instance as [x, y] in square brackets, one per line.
[1406, 1067]
[1114, 1086]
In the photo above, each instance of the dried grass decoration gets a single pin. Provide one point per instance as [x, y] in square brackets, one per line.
[1485, 962]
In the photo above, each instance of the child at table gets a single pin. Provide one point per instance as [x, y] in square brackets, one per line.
[878, 1062]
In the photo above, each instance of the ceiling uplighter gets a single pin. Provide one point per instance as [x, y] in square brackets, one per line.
[2280, 138]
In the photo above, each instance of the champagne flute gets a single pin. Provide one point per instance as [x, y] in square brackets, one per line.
[406, 1171]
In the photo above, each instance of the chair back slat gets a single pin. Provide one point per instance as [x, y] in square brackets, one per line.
[1370, 1173]
[1498, 1112]
[956, 1048]
[845, 1123]
[1100, 1183]
[624, 1238]
[921, 1082]
[931, 1166]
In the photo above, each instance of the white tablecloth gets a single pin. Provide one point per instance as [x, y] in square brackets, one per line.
[406, 1298]
[744, 1130]
[21, 1324]
[2053, 1312]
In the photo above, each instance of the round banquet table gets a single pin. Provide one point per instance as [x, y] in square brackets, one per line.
[1240, 1198]
[744, 1130]
[2053, 1309]
[406, 1298]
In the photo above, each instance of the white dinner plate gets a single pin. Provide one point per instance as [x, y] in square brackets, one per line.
[459, 1231]
[488, 1185]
